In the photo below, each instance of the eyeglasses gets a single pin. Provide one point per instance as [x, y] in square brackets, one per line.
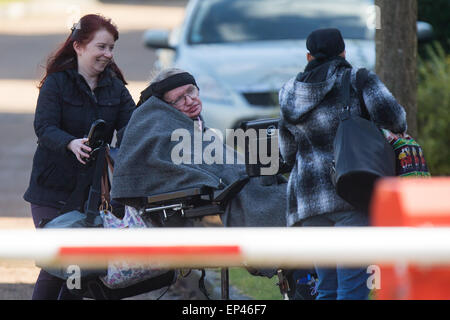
[192, 93]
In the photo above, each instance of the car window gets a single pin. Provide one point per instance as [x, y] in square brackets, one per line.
[220, 21]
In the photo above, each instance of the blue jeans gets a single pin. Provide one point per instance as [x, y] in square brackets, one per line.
[339, 282]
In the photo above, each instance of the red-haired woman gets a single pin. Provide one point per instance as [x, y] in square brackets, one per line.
[82, 83]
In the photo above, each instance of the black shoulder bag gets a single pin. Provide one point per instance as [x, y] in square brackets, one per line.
[361, 154]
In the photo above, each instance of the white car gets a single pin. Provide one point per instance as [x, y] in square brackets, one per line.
[242, 51]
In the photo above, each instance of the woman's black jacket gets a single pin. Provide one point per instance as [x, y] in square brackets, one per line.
[65, 110]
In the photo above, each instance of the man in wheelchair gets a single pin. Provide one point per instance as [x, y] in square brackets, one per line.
[172, 167]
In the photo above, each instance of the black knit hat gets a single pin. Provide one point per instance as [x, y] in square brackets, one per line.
[325, 43]
[158, 89]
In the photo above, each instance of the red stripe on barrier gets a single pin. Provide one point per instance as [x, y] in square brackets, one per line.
[148, 251]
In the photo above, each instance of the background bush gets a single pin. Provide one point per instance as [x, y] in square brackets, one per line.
[434, 108]
[436, 13]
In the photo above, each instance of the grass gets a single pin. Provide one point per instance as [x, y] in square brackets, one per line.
[262, 288]
[258, 288]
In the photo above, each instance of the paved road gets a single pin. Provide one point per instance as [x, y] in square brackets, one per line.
[17, 62]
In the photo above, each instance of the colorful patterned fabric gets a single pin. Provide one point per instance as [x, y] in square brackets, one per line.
[122, 274]
[410, 160]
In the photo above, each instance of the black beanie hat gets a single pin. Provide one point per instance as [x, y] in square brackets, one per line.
[158, 89]
[325, 43]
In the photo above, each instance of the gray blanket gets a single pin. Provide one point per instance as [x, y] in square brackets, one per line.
[144, 167]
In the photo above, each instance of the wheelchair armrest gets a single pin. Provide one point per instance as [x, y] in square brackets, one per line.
[193, 202]
[189, 203]
[180, 195]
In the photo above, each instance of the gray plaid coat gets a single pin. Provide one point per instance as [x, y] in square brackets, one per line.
[309, 120]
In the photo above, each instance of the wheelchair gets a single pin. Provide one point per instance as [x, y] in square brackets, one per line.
[179, 208]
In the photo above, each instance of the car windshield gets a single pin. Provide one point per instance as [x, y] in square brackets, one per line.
[221, 21]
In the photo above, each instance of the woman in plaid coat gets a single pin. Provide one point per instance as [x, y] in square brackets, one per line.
[310, 104]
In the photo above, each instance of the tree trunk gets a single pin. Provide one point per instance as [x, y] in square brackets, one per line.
[396, 54]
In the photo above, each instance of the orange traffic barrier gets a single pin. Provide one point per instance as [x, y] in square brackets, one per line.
[411, 202]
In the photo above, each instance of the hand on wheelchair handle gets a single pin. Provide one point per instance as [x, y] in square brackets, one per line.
[80, 149]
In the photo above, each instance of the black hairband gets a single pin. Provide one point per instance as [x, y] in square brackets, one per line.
[172, 82]
[158, 89]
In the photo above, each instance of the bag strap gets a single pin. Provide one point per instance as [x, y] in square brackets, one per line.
[201, 284]
[105, 180]
[361, 78]
[347, 76]
[345, 112]
[105, 188]
[94, 196]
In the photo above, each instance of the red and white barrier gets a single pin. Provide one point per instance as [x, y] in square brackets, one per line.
[220, 247]
[410, 240]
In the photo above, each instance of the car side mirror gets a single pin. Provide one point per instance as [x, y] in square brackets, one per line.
[425, 31]
[157, 39]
